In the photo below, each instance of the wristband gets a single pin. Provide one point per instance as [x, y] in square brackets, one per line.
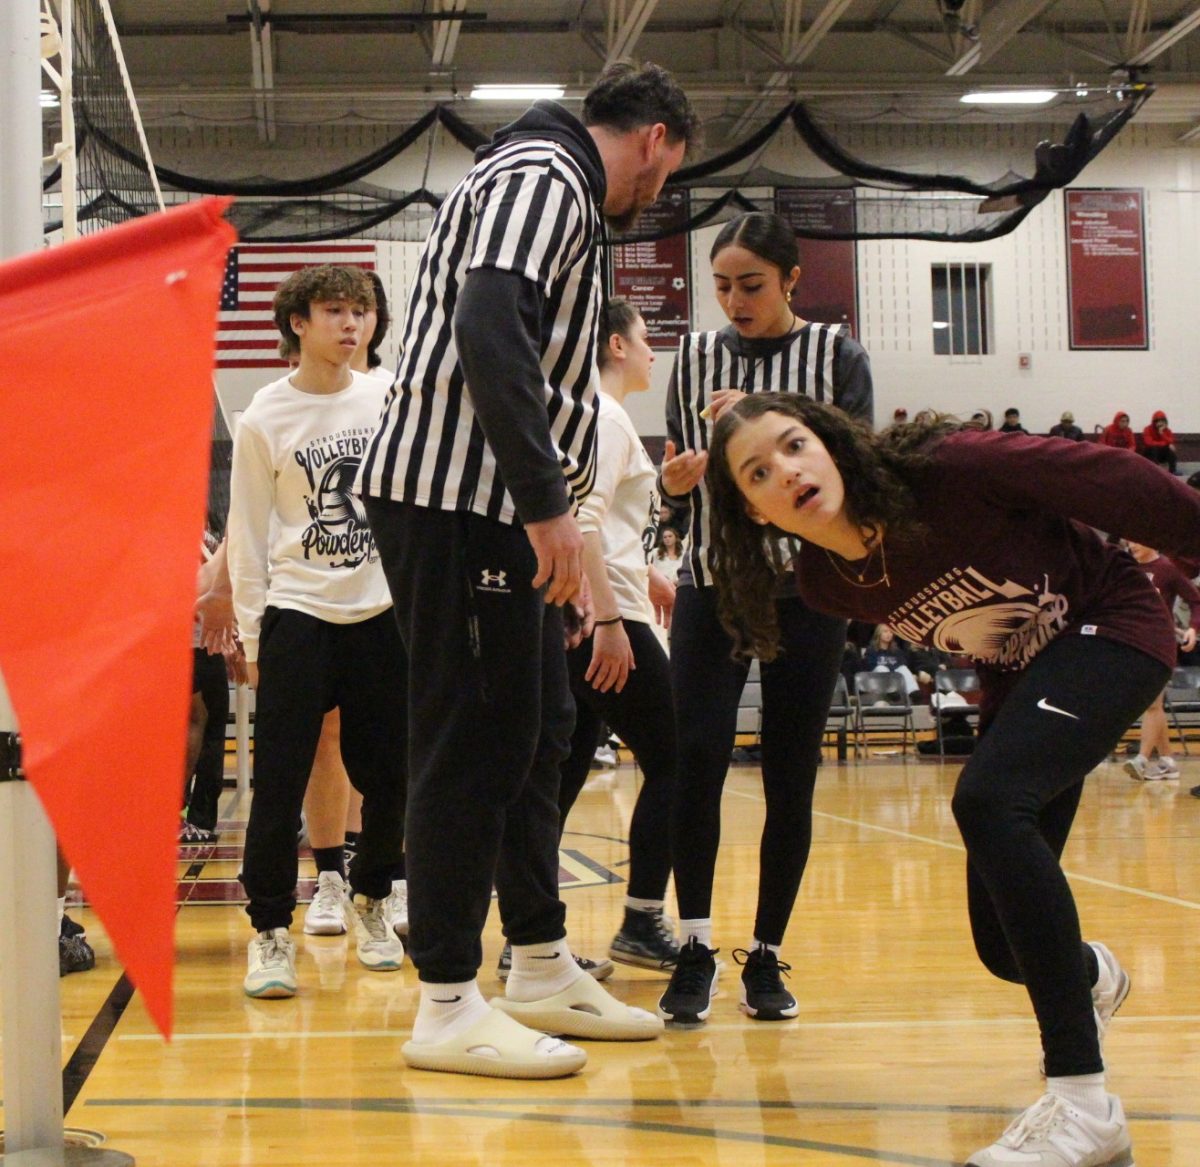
[610, 620]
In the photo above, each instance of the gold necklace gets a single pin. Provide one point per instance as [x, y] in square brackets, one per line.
[862, 575]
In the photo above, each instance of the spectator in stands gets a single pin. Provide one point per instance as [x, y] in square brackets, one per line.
[888, 654]
[912, 526]
[669, 555]
[1067, 428]
[899, 416]
[1171, 584]
[1118, 434]
[1012, 422]
[1158, 442]
[981, 419]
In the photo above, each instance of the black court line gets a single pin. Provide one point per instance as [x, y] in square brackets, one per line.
[87, 1053]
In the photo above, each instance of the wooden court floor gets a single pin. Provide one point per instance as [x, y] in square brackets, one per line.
[905, 1051]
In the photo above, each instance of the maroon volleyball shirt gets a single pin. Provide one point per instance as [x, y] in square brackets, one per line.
[1009, 560]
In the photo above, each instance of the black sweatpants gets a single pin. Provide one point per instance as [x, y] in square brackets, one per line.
[212, 683]
[1014, 803]
[797, 688]
[307, 667]
[642, 717]
[490, 716]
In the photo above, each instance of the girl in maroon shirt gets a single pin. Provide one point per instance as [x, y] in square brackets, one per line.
[978, 543]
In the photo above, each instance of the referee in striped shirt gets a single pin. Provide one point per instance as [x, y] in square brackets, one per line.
[485, 448]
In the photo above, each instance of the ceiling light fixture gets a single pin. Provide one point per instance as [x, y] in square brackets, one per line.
[1009, 97]
[516, 92]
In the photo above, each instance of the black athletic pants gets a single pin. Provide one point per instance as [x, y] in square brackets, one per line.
[491, 716]
[306, 667]
[212, 683]
[1014, 803]
[797, 688]
[642, 717]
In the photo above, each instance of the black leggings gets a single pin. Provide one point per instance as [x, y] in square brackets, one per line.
[642, 717]
[797, 688]
[1014, 804]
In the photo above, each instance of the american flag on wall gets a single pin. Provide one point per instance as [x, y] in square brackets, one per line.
[246, 334]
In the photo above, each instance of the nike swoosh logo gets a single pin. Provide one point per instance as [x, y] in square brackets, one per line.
[447, 1000]
[552, 956]
[1044, 704]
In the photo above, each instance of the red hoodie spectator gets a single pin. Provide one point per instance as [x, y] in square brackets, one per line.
[1119, 434]
[1158, 442]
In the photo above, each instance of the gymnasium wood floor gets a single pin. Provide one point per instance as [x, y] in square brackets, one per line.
[905, 1052]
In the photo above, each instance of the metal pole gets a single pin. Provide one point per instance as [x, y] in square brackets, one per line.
[33, 1112]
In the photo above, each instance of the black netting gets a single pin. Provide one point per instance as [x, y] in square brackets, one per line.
[113, 185]
[344, 203]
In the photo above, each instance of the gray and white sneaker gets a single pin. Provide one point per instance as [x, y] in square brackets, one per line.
[646, 939]
[326, 915]
[1053, 1133]
[395, 907]
[270, 965]
[1136, 768]
[1108, 993]
[377, 946]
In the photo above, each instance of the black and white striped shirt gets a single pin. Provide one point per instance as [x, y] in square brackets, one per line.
[820, 361]
[529, 206]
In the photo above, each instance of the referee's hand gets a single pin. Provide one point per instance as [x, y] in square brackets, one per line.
[558, 545]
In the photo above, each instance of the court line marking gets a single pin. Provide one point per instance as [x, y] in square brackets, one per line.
[1127, 1023]
[1079, 877]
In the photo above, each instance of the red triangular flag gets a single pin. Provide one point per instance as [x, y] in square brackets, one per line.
[107, 351]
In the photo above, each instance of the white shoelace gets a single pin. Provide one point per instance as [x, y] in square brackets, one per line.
[378, 930]
[328, 897]
[273, 952]
[1036, 1123]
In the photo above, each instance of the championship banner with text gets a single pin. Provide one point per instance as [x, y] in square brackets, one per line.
[654, 277]
[828, 288]
[1106, 269]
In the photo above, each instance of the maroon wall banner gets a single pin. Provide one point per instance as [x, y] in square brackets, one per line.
[828, 287]
[1106, 269]
[654, 277]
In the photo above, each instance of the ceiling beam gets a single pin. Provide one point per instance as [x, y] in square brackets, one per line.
[627, 20]
[1172, 36]
[1002, 22]
[801, 48]
[445, 34]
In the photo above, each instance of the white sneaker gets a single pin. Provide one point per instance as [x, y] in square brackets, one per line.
[1111, 987]
[326, 915]
[378, 947]
[1167, 767]
[395, 907]
[1136, 768]
[1108, 993]
[1053, 1133]
[271, 965]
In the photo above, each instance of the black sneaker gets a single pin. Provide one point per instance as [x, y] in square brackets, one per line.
[1195, 792]
[598, 970]
[688, 999]
[74, 952]
[646, 939]
[763, 996]
[69, 927]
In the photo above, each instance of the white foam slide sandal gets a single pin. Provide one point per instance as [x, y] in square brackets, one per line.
[584, 1009]
[496, 1046]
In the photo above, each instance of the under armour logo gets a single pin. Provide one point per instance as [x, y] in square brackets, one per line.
[493, 581]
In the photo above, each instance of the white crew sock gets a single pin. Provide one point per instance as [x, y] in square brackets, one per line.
[62, 909]
[1084, 1091]
[650, 906]
[446, 1010]
[756, 943]
[541, 970]
[701, 929]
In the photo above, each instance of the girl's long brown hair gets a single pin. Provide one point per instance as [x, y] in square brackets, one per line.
[877, 470]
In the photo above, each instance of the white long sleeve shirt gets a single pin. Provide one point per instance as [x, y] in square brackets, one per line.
[298, 536]
[623, 508]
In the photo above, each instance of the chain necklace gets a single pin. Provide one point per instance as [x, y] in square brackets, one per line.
[860, 581]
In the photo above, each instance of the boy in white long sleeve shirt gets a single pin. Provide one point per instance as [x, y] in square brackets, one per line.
[315, 618]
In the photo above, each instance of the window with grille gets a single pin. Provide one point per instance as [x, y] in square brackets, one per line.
[961, 309]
